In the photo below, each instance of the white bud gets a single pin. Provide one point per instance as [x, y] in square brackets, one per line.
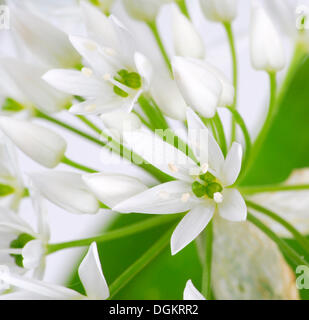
[187, 41]
[67, 190]
[203, 86]
[266, 47]
[39, 143]
[219, 10]
[33, 253]
[144, 10]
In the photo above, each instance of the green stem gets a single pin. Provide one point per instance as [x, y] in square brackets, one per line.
[77, 165]
[283, 246]
[297, 235]
[140, 264]
[231, 40]
[123, 152]
[153, 27]
[273, 188]
[240, 121]
[269, 119]
[89, 123]
[206, 282]
[115, 234]
[183, 7]
[221, 134]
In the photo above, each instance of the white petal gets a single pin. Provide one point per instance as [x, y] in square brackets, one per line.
[220, 10]
[193, 223]
[77, 83]
[165, 198]
[112, 189]
[33, 253]
[267, 52]
[91, 275]
[144, 67]
[258, 269]
[191, 293]
[199, 87]
[67, 190]
[39, 143]
[232, 165]
[48, 43]
[161, 154]
[233, 207]
[187, 41]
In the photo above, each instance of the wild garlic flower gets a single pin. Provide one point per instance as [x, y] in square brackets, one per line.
[191, 293]
[219, 10]
[89, 271]
[266, 47]
[114, 78]
[200, 189]
[39, 143]
[203, 86]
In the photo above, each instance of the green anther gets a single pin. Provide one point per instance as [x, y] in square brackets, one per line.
[212, 188]
[130, 79]
[208, 177]
[198, 189]
[120, 92]
[12, 105]
[5, 190]
[19, 243]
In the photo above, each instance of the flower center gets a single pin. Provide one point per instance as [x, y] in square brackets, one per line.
[19, 243]
[208, 186]
[130, 79]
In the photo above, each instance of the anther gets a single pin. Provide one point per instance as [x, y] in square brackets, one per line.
[218, 197]
[185, 197]
[87, 72]
[172, 167]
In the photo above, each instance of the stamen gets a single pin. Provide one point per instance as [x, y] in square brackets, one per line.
[172, 167]
[218, 197]
[205, 167]
[90, 107]
[87, 72]
[107, 77]
[185, 197]
[90, 45]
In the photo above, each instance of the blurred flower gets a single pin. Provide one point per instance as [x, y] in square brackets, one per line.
[191, 293]
[203, 87]
[201, 190]
[219, 10]
[39, 143]
[115, 77]
[187, 41]
[89, 272]
[266, 48]
[67, 190]
[104, 5]
[145, 10]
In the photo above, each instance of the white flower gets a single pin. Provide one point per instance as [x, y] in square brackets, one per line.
[39, 143]
[49, 44]
[104, 5]
[113, 188]
[201, 190]
[67, 190]
[266, 48]
[11, 182]
[203, 87]
[90, 274]
[145, 10]
[219, 10]
[191, 293]
[187, 41]
[23, 82]
[114, 78]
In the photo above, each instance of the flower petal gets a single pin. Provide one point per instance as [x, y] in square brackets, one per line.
[67, 190]
[232, 165]
[165, 198]
[33, 253]
[258, 269]
[191, 293]
[112, 189]
[193, 223]
[161, 154]
[91, 275]
[233, 207]
[144, 67]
